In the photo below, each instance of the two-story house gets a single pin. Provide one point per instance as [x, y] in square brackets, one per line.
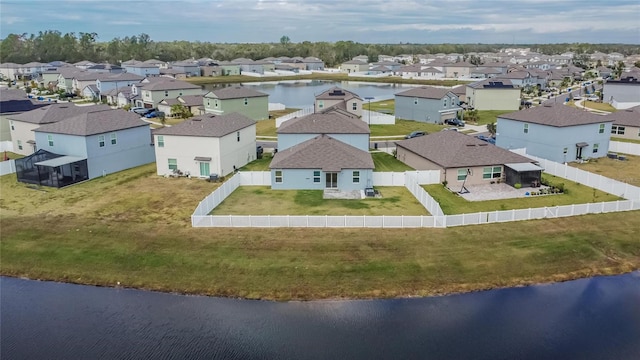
[205, 145]
[154, 90]
[555, 132]
[189, 68]
[109, 82]
[337, 97]
[354, 66]
[143, 69]
[427, 104]
[248, 102]
[327, 151]
[493, 94]
[87, 146]
[13, 102]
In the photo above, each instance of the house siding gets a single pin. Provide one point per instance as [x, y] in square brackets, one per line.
[630, 132]
[627, 94]
[23, 131]
[426, 110]
[548, 142]
[360, 141]
[493, 99]
[154, 97]
[257, 108]
[302, 179]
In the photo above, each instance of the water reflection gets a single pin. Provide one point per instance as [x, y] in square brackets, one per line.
[595, 318]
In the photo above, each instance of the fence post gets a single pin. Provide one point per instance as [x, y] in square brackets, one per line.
[230, 221]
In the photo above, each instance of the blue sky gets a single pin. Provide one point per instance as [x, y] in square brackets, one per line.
[365, 21]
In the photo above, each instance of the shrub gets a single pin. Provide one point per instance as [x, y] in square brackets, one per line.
[444, 183]
[517, 186]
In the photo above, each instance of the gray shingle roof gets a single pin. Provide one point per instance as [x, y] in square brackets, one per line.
[451, 149]
[627, 117]
[93, 123]
[56, 112]
[322, 152]
[168, 84]
[192, 100]
[492, 84]
[324, 123]
[234, 92]
[208, 125]
[336, 93]
[557, 115]
[426, 92]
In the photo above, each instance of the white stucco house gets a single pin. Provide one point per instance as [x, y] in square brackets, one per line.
[206, 144]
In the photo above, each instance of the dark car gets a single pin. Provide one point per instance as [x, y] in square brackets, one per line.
[259, 151]
[415, 134]
[456, 122]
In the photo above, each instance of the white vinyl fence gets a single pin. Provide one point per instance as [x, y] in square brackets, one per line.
[7, 167]
[624, 147]
[302, 112]
[413, 180]
[377, 118]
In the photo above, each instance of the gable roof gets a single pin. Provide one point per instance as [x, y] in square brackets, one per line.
[56, 112]
[16, 100]
[627, 117]
[451, 149]
[322, 152]
[234, 92]
[191, 100]
[161, 84]
[426, 92]
[492, 84]
[93, 123]
[557, 115]
[324, 123]
[336, 93]
[208, 125]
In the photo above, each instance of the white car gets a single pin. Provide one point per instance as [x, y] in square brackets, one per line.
[593, 98]
[576, 97]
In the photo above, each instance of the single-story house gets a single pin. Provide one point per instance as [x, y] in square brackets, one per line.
[463, 159]
[555, 132]
[205, 145]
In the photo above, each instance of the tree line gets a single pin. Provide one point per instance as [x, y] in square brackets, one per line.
[51, 45]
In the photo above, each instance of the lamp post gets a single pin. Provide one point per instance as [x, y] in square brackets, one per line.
[369, 98]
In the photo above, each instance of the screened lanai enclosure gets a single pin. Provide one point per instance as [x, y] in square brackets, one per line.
[525, 174]
[48, 169]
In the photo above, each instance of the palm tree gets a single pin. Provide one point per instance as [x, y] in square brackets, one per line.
[492, 128]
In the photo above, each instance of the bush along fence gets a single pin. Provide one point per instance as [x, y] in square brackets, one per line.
[412, 181]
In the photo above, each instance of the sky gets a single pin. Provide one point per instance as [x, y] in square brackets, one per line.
[364, 21]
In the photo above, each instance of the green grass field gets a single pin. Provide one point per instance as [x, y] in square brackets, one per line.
[386, 162]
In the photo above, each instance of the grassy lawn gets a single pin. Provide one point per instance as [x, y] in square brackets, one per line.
[259, 164]
[395, 200]
[277, 113]
[385, 106]
[613, 138]
[452, 203]
[266, 128]
[627, 171]
[490, 116]
[386, 162]
[403, 127]
[599, 106]
[10, 155]
[133, 227]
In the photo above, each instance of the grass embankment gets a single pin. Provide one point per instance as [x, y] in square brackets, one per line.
[319, 76]
[386, 162]
[627, 171]
[403, 127]
[384, 106]
[489, 116]
[599, 106]
[452, 203]
[133, 228]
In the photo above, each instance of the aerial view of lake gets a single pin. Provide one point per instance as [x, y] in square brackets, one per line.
[301, 93]
[596, 318]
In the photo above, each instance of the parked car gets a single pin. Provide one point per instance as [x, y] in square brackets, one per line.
[259, 151]
[154, 114]
[577, 97]
[488, 139]
[456, 122]
[594, 98]
[143, 111]
[415, 134]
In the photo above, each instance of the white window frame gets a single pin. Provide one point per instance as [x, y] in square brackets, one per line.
[278, 176]
[356, 176]
[246, 101]
[526, 128]
[601, 129]
[238, 135]
[320, 104]
[160, 140]
[12, 125]
[595, 148]
[316, 176]
[462, 174]
[445, 102]
[19, 144]
[172, 163]
[50, 139]
[114, 139]
[494, 172]
[355, 106]
[415, 101]
[101, 141]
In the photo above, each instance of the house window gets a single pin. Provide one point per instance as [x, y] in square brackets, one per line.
[246, 101]
[462, 174]
[215, 103]
[526, 128]
[173, 164]
[356, 177]
[166, 93]
[492, 172]
[565, 150]
[50, 139]
[617, 130]
[445, 102]
[101, 140]
[160, 141]
[601, 131]
[595, 148]
[355, 106]
[320, 104]
[278, 176]
[11, 123]
[415, 101]
[238, 135]
[19, 144]
[114, 139]
[316, 176]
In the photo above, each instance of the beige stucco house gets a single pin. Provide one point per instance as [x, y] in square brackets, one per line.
[340, 98]
[205, 145]
[626, 123]
[490, 94]
[353, 66]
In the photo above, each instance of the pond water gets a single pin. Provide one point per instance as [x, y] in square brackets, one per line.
[301, 93]
[597, 318]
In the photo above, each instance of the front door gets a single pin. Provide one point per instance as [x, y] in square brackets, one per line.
[331, 180]
[579, 152]
[204, 169]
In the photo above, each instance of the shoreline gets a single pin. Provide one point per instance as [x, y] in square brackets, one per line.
[461, 290]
